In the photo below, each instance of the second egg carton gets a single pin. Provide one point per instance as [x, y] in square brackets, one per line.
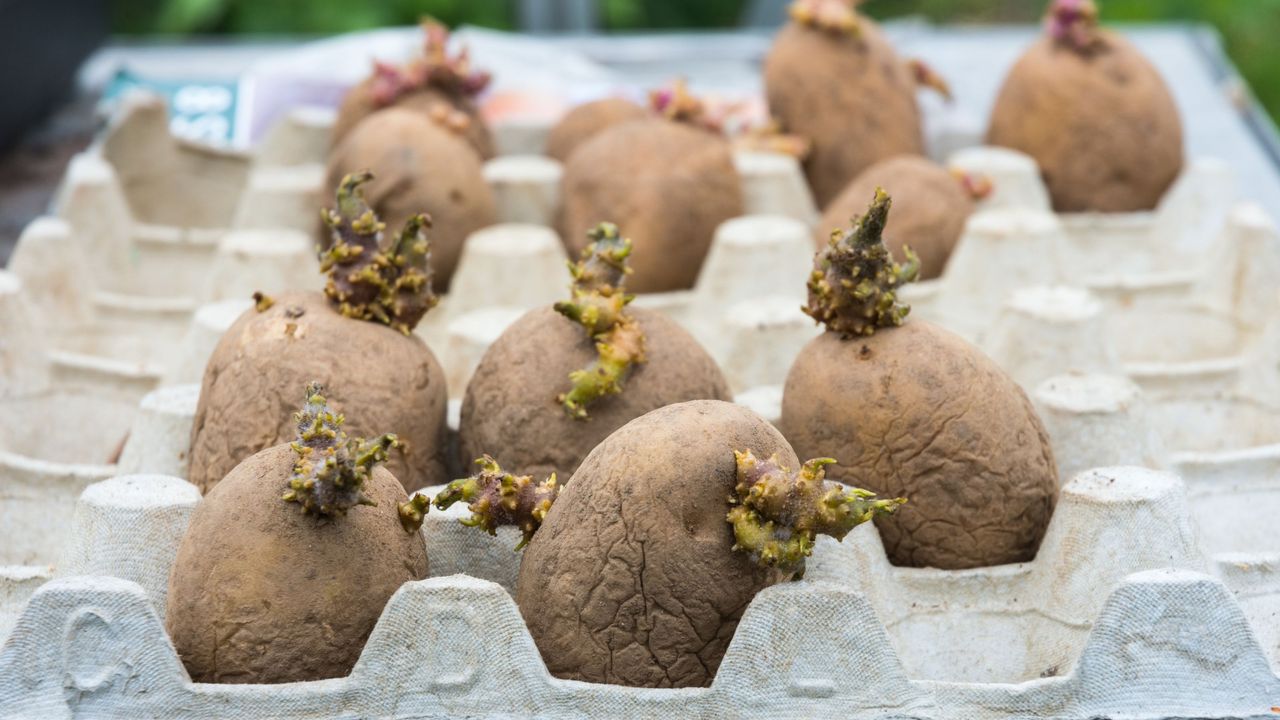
[1120, 614]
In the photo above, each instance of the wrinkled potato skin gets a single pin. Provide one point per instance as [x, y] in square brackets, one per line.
[1104, 128]
[418, 167]
[632, 579]
[917, 412]
[666, 184]
[855, 100]
[510, 409]
[358, 104]
[261, 593]
[380, 380]
[587, 120]
[930, 208]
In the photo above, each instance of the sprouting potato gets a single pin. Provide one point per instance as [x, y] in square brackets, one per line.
[831, 77]
[1094, 114]
[907, 408]
[356, 337]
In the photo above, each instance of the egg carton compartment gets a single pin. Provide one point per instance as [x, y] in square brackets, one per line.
[1097, 625]
[1226, 449]
[58, 442]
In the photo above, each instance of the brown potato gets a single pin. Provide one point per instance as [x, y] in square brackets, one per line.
[915, 411]
[588, 119]
[381, 379]
[853, 98]
[358, 104]
[670, 185]
[632, 579]
[262, 593]
[510, 409]
[418, 167]
[930, 207]
[1102, 125]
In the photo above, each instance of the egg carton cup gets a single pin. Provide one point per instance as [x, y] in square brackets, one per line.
[57, 443]
[1115, 618]
[1225, 448]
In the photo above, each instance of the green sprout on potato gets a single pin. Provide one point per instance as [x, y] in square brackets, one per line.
[331, 469]
[373, 276]
[599, 304]
[853, 288]
[777, 514]
[497, 498]
[413, 513]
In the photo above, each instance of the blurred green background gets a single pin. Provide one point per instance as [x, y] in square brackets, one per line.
[1249, 27]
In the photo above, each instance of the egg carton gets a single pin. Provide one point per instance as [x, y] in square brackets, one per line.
[1041, 618]
[744, 308]
[149, 228]
[1120, 615]
[258, 213]
[1224, 447]
[1093, 420]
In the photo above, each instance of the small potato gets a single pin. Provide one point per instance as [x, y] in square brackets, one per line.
[587, 120]
[669, 184]
[510, 409]
[358, 104]
[263, 593]
[916, 411]
[1102, 124]
[382, 380]
[930, 207]
[419, 166]
[632, 578]
[852, 97]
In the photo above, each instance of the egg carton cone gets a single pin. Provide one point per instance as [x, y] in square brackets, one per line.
[1097, 626]
[61, 442]
[526, 188]
[1219, 337]
[24, 361]
[1225, 447]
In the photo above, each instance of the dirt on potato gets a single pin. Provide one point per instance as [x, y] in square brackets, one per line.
[418, 166]
[510, 409]
[382, 380]
[669, 184]
[587, 120]
[1102, 125]
[359, 104]
[262, 593]
[930, 208]
[916, 412]
[632, 579]
[853, 98]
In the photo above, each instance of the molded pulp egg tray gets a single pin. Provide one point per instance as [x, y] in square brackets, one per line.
[1149, 342]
